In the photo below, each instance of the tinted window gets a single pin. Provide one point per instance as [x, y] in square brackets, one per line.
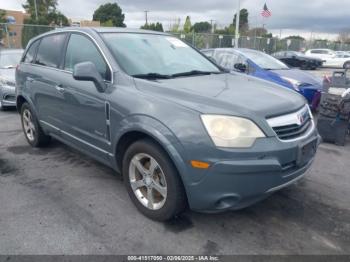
[31, 52]
[49, 52]
[263, 60]
[319, 52]
[81, 49]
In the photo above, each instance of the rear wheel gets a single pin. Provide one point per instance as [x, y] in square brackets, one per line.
[152, 181]
[31, 128]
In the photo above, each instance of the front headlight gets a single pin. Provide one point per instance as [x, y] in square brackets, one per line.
[293, 82]
[231, 131]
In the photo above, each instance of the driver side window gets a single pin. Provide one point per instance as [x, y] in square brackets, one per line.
[81, 49]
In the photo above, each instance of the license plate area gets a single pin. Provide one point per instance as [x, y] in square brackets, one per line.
[306, 152]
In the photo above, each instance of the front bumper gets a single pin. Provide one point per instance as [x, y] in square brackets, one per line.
[8, 96]
[234, 184]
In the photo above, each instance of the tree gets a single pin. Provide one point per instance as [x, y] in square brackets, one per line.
[201, 27]
[108, 23]
[187, 25]
[175, 28]
[153, 26]
[2, 20]
[243, 21]
[110, 11]
[228, 30]
[344, 36]
[44, 7]
[295, 37]
[48, 17]
[259, 32]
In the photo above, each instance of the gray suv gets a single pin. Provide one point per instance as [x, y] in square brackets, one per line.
[182, 131]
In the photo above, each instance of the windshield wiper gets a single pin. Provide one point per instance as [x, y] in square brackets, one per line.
[152, 76]
[194, 72]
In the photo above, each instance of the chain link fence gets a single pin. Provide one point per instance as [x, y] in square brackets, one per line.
[268, 45]
[17, 36]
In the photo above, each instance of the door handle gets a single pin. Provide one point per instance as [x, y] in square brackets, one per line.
[59, 88]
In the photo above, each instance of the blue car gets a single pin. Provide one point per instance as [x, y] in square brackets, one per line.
[266, 67]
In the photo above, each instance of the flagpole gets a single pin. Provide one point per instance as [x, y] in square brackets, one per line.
[237, 23]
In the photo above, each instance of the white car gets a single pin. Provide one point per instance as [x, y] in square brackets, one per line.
[330, 58]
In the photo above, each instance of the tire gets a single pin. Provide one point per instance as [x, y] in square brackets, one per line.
[162, 178]
[346, 65]
[2, 108]
[31, 128]
[304, 66]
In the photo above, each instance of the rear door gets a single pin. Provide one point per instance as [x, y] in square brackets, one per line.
[44, 79]
[85, 109]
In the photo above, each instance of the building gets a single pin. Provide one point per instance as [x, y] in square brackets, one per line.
[84, 23]
[12, 32]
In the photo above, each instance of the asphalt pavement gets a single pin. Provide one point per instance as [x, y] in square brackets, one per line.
[57, 201]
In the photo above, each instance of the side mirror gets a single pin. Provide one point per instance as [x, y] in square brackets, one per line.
[240, 67]
[87, 71]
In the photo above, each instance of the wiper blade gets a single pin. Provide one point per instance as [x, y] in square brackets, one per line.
[194, 72]
[152, 76]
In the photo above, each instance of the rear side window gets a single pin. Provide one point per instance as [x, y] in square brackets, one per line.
[50, 50]
[29, 57]
[81, 49]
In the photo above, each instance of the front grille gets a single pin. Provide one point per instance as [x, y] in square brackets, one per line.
[293, 125]
[292, 131]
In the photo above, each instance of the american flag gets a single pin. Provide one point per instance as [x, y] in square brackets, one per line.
[265, 12]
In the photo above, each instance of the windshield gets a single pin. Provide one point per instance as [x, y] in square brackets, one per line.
[263, 60]
[10, 60]
[141, 54]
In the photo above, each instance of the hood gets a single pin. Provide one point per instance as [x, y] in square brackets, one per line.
[225, 94]
[8, 74]
[301, 76]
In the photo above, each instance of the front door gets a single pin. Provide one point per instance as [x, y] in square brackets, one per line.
[85, 109]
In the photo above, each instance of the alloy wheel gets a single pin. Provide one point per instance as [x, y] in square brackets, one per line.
[147, 181]
[28, 125]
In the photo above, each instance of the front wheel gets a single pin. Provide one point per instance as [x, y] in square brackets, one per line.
[31, 128]
[2, 107]
[346, 65]
[152, 181]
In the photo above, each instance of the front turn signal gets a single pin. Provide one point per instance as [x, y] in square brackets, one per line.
[199, 164]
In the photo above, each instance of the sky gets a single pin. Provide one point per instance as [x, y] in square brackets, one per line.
[309, 18]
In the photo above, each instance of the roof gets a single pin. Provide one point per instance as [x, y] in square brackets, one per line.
[110, 30]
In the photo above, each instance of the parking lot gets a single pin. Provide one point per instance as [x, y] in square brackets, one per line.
[57, 201]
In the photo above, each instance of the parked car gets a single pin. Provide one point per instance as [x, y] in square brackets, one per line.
[330, 58]
[264, 66]
[181, 131]
[9, 59]
[298, 59]
[323, 54]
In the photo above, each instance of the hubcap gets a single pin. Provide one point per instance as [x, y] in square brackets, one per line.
[28, 125]
[147, 181]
